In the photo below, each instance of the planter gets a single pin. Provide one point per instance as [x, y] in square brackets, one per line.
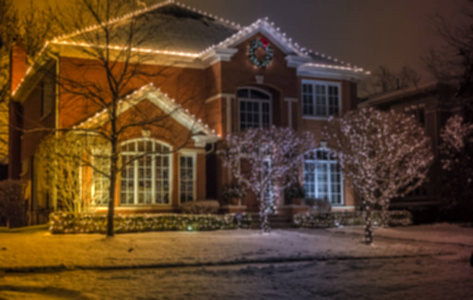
[297, 201]
[235, 201]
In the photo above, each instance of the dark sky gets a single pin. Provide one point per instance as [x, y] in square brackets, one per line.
[366, 33]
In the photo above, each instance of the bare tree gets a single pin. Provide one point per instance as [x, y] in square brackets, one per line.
[385, 80]
[452, 61]
[108, 41]
[457, 164]
[32, 28]
[9, 23]
[384, 154]
[60, 158]
[266, 161]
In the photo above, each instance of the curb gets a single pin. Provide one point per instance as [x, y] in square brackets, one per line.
[63, 268]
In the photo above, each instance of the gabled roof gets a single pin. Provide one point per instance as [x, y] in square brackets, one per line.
[200, 131]
[400, 94]
[187, 30]
[202, 39]
[174, 28]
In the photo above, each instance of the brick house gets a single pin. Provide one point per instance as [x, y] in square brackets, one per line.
[218, 78]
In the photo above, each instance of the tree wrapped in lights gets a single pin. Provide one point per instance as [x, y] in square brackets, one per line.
[60, 159]
[265, 161]
[384, 154]
[457, 164]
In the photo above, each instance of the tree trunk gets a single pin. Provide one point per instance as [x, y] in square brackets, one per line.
[263, 213]
[111, 201]
[368, 239]
[385, 215]
[113, 173]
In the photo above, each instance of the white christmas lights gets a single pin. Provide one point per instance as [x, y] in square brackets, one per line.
[173, 107]
[225, 43]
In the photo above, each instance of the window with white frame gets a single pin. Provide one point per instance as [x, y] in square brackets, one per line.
[186, 178]
[323, 176]
[320, 98]
[146, 178]
[254, 108]
[100, 182]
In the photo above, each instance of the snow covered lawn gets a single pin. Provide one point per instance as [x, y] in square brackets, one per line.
[418, 262]
[39, 248]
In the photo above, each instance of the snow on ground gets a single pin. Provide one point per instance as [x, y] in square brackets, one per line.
[437, 233]
[418, 262]
[40, 248]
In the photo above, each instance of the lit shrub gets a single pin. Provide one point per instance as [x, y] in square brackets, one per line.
[64, 222]
[350, 218]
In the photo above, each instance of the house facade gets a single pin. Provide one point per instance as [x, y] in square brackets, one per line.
[209, 79]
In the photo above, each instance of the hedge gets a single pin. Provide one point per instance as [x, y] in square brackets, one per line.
[347, 218]
[64, 222]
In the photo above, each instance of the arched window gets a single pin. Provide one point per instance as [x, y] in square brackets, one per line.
[254, 108]
[323, 176]
[146, 178]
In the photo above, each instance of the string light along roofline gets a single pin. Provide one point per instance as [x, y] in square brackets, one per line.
[143, 11]
[135, 96]
[225, 43]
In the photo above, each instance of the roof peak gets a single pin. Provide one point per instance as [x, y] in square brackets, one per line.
[148, 9]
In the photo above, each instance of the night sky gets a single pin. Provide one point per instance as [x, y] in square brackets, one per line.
[366, 33]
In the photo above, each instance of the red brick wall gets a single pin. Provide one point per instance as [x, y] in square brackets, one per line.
[190, 87]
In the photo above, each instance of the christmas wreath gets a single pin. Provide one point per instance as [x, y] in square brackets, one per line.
[264, 44]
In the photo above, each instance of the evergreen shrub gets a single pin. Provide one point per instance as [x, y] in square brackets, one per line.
[64, 222]
[349, 218]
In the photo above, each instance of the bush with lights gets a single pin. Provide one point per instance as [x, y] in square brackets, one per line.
[63, 222]
[349, 218]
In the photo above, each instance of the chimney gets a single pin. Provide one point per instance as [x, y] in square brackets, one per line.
[18, 65]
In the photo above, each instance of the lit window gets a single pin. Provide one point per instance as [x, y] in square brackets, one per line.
[146, 178]
[323, 177]
[320, 99]
[101, 182]
[186, 184]
[254, 108]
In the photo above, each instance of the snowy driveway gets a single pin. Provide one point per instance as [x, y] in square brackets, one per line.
[408, 263]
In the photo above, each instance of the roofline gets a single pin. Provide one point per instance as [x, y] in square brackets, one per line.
[238, 36]
[168, 105]
[142, 11]
[402, 93]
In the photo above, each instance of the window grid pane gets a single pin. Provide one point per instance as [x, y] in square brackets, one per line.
[186, 179]
[323, 177]
[332, 100]
[146, 179]
[320, 99]
[254, 109]
[100, 183]
[307, 96]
